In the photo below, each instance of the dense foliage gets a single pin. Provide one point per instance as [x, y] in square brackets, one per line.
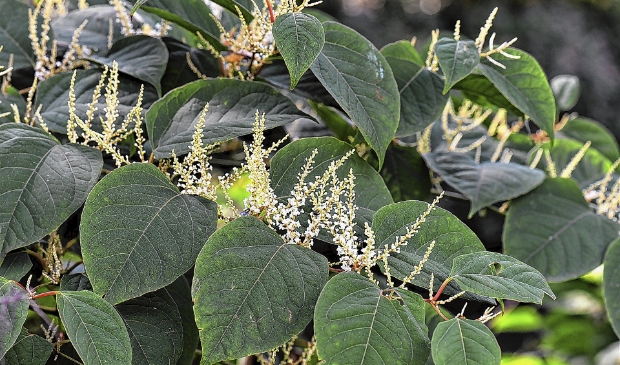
[150, 212]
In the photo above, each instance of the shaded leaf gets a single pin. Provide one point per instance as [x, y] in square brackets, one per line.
[499, 276]
[15, 266]
[457, 59]
[403, 50]
[252, 292]
[335, 121]
[245, 6]
[565, 91]
[94, 327]
[75, 282]
[370, 190]
[43, 183]
[584, 129]
[464, 342]
[481, 91]
[28, 350]
[553, 229]
[154, 326]
[180, 292]
[140, 56]
[357, 323]
[406, 174]
[356, 74]
[139, 234]
[611, 285]
[485, 183]
[524, 84]
[452, 238]
[14, 35]
[13, 312]
[11, 97]
[178, 72]
[232, 109]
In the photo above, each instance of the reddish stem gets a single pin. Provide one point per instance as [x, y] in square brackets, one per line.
[441, 289]
[46, 294]
[271, 16]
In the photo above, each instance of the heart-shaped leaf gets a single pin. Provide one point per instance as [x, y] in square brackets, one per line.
[452, 238]
[154, 326]
[140, 56]
[565, 91]
[611, 280]
[252, 292]
[457, 59]
[553, 229]
[524, 84]
[13, 312]
[299, 38]
[43, 183]
[499, 276]
[28, 350]
[421, 96]
[94, 327]
[360, 79]
[356, 322]
[139, 234]
[485, 183]
[15, 266]
[232, 108]
[464, 342]
[584, 129]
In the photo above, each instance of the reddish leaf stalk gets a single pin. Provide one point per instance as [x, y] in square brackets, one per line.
[272, 17]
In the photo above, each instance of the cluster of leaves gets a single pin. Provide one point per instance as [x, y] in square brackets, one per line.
[251, 292]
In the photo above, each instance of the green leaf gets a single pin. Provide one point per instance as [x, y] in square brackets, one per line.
[95, 328]
[565, 91]
[232, 110]
[553, 229]
[485, 183]
[11, 97]
[75, 282]
[28, 350]
[356, 74]
[499, 276]
[252, 292]
[406, 174]
[178, 72]
[457, 59]
[140, 56]
[356, 322]
[13, 312]
[481, 91]
[584, 129]
[524, 84]
[43, 183]
[452, 238]
[154, 326]
[137, 6]
[14, 34]
[139, 234]
[334, 120]
[464, 342]
[180, 292]
[193, 15]
[245, 6]
[611, 282]
[370, 190]
[402, 50]
[299, 38]
[53, 97]
[96, 32]
[15, 266]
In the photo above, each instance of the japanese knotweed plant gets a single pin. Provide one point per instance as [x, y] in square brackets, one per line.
[128, 235]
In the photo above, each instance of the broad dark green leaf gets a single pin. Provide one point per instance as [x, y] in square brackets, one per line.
[356, 322]
[180, 292]
[481, 91]
[15, 266]
[232, 108]
[452, 238]
[139, 234]
[565, 91]
[95, 328]
[11, 97]
[464, 342]
[499, 276]
[140, 56]
[14, 34]
[524, 84]
[42, 183]
[370, 190]
[178, 72]
[154, 326]
[403, 50]
[554, 230]
[193, 15]
[611, 285]
[583, 130]
[406, 174]
[457, 59]
[334, 120]
[356, 74]
[485, 183]
[13, 312]
[53, 97]
[75, 282]
[299, 38]
[28, 350]
[252, 292]
[277, 75]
